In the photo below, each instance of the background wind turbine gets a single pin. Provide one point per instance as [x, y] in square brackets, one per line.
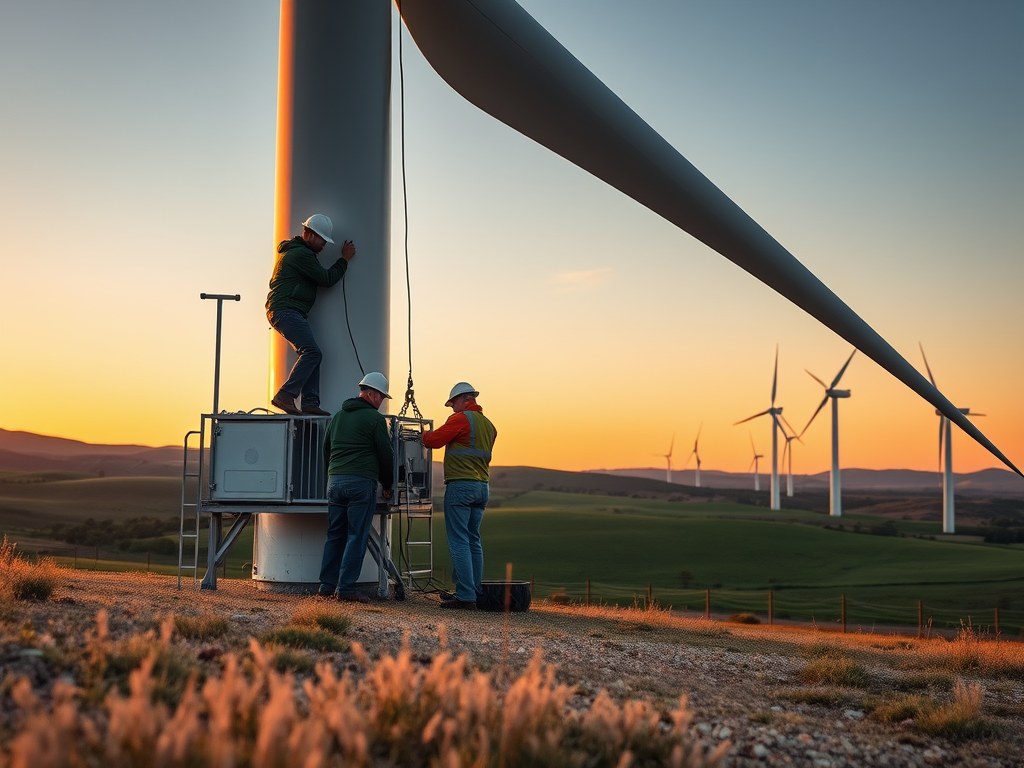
[695, 453]
[946, 458]
[755, 465]
[668, 459]
[786, 430]
[774, 413]
[835, 501]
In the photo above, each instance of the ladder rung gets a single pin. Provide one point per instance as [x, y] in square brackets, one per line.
[189, 567]
[189, 536]
[417, 543]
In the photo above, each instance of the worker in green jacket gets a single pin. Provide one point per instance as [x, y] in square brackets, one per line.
[293, 286]
[358, 454]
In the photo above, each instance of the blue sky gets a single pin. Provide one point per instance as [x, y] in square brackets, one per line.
[879, 142]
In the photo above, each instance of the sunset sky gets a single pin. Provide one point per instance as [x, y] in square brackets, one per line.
[880, 142]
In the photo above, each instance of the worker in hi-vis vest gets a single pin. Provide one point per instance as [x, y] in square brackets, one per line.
[468, 438]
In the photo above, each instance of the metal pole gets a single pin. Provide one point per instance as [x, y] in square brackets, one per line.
[707, 603]
[588, 592]
[650, 597]
[844, 614]
[997, 623]
[771, 609]
[920, 618]
[221, 298]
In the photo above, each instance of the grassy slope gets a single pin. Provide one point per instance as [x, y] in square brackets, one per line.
[622, 544]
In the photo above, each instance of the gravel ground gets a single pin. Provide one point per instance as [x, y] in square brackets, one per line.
[741, 681]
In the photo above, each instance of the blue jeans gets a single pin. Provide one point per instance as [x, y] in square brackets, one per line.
[350, 504]
[304, 380]
[464, 502]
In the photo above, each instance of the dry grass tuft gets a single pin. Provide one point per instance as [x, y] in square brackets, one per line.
[959, 720]
[320, 615]
[399, 713]
[24, 580]
[837, 670]
[200, 627]
[305, 637]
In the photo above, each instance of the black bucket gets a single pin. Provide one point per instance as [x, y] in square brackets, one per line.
[493, 596]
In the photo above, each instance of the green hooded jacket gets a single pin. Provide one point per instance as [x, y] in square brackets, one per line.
[297, 274]
[357, 443]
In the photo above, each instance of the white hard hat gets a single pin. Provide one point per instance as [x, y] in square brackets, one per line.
[377, 381]
[462, 388]
[321, 225]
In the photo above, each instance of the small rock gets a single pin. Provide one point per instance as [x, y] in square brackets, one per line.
[704, 728]
[34, 653]
[823, 762]
[521, 649]
[241, 617]
[932, 756]
[725, 733]
[853, 714]
[776, 708]
[760, 751]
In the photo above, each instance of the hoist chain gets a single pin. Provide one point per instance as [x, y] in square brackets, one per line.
[410, 399]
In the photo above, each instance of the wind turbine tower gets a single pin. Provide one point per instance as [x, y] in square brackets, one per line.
[946, 458]
[835, 501]
[788, 452]
[775, 413]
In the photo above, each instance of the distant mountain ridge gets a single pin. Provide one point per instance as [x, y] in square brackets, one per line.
[30, 452]
[986, 481]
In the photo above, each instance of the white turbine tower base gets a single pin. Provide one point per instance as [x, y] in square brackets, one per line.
[946, 458]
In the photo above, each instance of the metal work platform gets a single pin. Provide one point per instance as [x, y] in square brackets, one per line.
[264, 463]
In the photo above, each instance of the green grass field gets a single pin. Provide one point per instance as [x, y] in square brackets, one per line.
[622, 545]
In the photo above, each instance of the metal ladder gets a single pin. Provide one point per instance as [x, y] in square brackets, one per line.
[424, 569]
[191, 520]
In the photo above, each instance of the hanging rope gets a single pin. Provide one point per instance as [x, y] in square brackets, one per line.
[410, 393]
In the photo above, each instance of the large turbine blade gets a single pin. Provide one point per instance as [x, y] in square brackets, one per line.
[500, 59]
[672, 444]
[842, 370]
[814, 415]
[751, 418]
[697, 439]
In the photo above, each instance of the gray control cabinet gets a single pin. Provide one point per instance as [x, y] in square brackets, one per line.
[249, 460]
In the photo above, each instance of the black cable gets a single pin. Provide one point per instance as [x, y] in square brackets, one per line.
[347, 325]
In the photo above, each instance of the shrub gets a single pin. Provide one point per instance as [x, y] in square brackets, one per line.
[23, 580]
[200, 627]
[744, 618]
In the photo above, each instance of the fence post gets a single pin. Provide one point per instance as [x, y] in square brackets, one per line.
[149, 560]
[844, 614]
[588, 593]
[997, 624]
[920, 618]
[707, 603]
[76, 558]
[650, 597]
[97, 561]
[771, 612]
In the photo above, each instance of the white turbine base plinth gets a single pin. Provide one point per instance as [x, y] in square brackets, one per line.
[288, 548]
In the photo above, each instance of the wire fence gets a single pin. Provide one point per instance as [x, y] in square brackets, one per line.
[836, 610]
